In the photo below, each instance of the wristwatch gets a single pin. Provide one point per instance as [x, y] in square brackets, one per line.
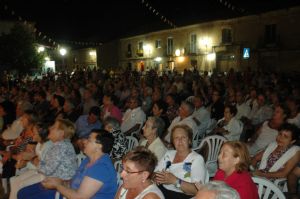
[178, 183]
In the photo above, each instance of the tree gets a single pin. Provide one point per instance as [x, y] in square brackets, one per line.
[18, 51]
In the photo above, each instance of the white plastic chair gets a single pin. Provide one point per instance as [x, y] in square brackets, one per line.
[214, 144]
[281, 183]
[132, 142]
[266, 189]
[197, 138]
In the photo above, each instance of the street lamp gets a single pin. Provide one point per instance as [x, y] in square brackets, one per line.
[63, 52]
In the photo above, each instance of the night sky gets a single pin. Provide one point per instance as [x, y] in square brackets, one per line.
[102, 20]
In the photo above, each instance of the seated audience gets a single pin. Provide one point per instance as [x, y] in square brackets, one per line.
[185, 112]
[119, 148]
[280, 157]
[230, 127]
[138, 170]
[95, 178]
[216, 190]
[134, 117]
[86, 123]
[60, 158]
[152, 128]
[268, 132]
[159, 109]
[179, 169]
[233, 163]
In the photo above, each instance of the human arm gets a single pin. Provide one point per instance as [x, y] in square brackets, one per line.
[283, 172]
[257, 158]
[166, 177]
[87, 189]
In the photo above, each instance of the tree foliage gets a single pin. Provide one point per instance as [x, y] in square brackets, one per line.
[18, 51]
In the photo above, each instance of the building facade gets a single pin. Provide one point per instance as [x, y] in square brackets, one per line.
[269, 40]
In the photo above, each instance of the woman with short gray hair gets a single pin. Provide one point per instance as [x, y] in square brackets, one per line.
[112, 125]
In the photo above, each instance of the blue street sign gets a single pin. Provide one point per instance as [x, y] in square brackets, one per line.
[246, 53]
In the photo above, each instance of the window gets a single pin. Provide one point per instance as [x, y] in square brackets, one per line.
[140, 50]
[158, 43]
[170, 46]
[129, 47]
[193, 46]
[140, 46]
[270, 33]
[226, 35]
[128, 53]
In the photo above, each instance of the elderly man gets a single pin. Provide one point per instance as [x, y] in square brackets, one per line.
[201, 115]
[185, 112]
[133, 118]
[85, 123]
[153, 127]
[216, 189]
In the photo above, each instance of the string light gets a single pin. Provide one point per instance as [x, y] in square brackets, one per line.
[44, 36]
[153, 10]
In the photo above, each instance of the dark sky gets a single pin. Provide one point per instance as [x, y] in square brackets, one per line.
[105, 20]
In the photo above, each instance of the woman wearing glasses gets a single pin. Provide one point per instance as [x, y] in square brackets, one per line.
[138, 168]
[95, 178]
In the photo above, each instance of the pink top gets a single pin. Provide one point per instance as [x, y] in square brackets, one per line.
[241, 182]
[113, 111]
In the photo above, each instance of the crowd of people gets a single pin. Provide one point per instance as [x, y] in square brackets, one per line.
[47, 124]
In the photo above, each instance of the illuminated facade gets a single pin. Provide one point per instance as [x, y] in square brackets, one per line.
[269, 40]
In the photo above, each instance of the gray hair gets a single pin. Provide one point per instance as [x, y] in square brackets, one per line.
[222, 190]
[158, 123]
[113, 122]
[25, 105]
[190, 106]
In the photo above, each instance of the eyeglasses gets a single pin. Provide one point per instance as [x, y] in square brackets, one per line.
[129, 172]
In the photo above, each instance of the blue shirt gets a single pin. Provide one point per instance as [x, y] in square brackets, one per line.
[102, 170]
[84, 128]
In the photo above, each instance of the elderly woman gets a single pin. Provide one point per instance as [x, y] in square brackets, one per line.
[234, 160]
[59, 160]
[280, 157]
[229, 126]
[119, 149]
[152, 128]
[138, 168]
[95, 177]
[180, 169]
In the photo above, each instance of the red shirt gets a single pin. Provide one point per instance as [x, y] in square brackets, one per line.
[241, 182]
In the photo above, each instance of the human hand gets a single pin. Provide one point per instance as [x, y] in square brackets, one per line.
[51, 182]
[165, 177]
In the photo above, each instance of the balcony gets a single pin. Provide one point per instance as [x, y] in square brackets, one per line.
[140, 52]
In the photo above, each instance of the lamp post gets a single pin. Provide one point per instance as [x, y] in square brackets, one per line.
[63, 52]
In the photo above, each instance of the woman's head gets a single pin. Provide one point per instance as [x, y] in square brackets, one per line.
[61, 129]
[159, 108]
[181, 137]
[234, 156]
[229, 112]
[111, 124]
[29, 118]
[99, 141]
[138, 166]
[288, 135]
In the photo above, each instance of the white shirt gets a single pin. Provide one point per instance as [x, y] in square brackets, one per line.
[261, 115]
[133, 117]
[295, 120]
[243, 110]
[203, 116]
[234, 127]
[178, 121]
[192, 169]
[266, 136]
[157, 147]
